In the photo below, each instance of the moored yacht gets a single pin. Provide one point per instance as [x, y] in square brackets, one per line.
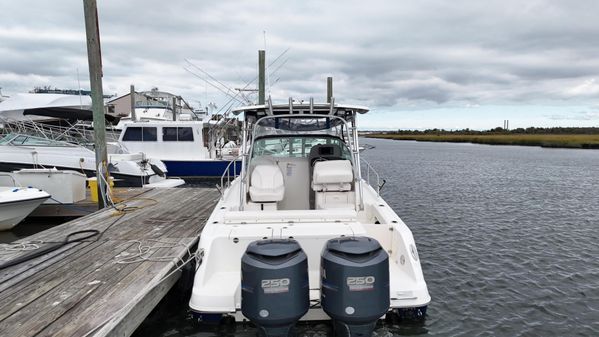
[22, 151]
[301, 235]
[187, 148]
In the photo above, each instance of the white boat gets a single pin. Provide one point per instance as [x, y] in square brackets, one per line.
[65, 186]
[45, 107]
[20, 151]
[301, 190]
[16, 203]
[153, 105]
[148, 114]
[185, 147]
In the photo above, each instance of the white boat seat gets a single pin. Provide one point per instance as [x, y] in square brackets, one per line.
[338, 200]
[332, 175]
[267, 184]
[332, 184]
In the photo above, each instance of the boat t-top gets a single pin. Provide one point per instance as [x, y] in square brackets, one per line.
[301, 234]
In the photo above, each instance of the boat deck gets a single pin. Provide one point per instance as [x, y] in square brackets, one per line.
[99, 287]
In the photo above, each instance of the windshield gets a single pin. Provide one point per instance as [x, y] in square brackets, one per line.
[297, 146]
[4, 139]
[300, 125]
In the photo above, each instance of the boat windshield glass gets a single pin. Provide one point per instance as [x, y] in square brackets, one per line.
[300, 146]
[4, 139]
[304, 125]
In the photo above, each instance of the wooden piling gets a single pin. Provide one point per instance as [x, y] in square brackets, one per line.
[261, 76]
[329, 88]
[132, 97]
[94, 58]
[174, 108]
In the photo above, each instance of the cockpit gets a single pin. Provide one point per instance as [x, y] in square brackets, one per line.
[299, 163]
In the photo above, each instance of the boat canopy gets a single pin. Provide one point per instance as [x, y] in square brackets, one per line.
[299, 125]
[48, 107]
[255, 112]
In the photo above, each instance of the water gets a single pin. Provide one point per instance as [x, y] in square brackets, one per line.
[29, 227]
[508, 239]
[508, 236]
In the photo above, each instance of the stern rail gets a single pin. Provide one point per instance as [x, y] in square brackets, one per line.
[227, 175]
[379, 182]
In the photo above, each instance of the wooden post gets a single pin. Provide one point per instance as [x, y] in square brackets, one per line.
[329, 89]
[174, 108]
[132, 97]
[261, 75]
[94, 59]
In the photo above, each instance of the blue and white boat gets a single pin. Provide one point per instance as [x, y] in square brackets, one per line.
[187, 148]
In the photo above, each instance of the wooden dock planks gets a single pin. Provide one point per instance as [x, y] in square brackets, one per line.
[86, 206]
[81, 290]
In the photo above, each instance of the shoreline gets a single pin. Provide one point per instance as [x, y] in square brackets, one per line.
[566, 141]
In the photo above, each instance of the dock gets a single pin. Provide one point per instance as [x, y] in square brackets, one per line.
[84, 207]
[107, 284]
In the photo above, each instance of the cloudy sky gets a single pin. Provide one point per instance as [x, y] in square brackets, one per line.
[417, 64]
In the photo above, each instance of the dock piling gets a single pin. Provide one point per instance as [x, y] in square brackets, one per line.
[94, 58]
[132, 97]
[329, 88]
[261, 76]
[174, 108]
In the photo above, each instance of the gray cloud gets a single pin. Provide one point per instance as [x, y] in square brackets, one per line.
[382, 53]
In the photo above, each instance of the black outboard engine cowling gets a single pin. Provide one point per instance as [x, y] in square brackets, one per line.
[354, 284]
[275, 292]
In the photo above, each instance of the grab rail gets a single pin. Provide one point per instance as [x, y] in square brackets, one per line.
[369, 168]
[227, 173]
[14, 181]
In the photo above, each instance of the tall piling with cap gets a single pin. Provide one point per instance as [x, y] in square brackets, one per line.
[261, 76]
[94, 59]
[329, 89]
[174, 108]
[132, 97]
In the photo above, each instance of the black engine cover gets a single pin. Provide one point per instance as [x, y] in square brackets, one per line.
[354, 284]
[274, 285]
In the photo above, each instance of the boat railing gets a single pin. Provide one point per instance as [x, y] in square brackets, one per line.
[71, 133]
[225, 179]
[371, 171]
[11, 177]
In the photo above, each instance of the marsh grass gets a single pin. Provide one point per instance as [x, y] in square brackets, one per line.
[544, 140]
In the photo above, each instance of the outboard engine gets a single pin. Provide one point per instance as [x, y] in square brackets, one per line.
[275, 292]
[354, 284]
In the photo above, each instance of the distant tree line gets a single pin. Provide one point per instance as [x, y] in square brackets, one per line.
[499, 130]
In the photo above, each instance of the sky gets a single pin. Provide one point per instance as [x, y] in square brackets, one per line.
[416, 64]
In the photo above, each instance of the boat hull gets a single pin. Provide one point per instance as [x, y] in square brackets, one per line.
[120, 180]
[200, 168]
[13, 212]
[227, 233]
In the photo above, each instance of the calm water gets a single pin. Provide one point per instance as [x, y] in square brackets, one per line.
[509, 236]
[508, 239]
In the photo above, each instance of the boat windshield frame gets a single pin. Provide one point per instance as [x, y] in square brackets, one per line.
[334, 126]
[12, 139]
